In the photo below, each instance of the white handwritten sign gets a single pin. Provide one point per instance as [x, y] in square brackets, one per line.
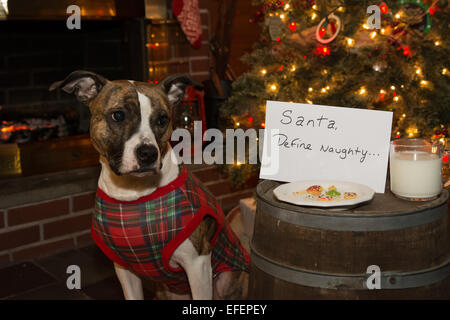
[312, 142]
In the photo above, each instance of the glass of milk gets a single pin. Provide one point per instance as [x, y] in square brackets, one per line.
[416, 169]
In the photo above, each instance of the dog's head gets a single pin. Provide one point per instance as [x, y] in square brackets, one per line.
[131, 122]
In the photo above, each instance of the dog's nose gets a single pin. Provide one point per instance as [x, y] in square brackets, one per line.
[146, 154]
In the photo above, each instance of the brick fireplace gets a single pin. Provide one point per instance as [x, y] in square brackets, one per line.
[50, 128]
[46, 207]
[38, 50]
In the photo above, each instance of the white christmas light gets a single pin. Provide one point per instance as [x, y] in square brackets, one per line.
[4, 5]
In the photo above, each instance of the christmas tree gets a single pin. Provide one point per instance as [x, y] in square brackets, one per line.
[332, 52]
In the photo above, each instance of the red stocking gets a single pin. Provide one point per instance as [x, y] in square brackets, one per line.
[188, 14]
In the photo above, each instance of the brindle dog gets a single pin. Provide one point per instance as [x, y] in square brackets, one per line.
[131, 126]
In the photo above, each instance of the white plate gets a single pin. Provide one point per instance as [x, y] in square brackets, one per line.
[286, 191]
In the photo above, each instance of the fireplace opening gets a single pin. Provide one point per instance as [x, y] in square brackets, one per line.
[43, 131]
[48, 131]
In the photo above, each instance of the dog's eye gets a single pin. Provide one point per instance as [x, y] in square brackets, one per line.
[163, 120]
[118, 116]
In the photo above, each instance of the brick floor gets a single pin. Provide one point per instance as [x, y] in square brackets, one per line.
[45, 278]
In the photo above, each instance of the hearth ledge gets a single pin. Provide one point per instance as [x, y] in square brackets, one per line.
[24, 190]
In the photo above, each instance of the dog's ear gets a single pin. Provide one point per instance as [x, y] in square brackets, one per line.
[84, 84]
[175, 86]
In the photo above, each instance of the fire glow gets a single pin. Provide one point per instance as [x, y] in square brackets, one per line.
[20, 131]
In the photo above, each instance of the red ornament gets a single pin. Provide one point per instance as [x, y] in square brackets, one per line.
[278, 39]
[263, 124]
[281, 68]
[333, 27]
[432, 10]
[445, 158]
[293, 26]
[394, 94]
[406, 51]
[250, 119]
[384, 8]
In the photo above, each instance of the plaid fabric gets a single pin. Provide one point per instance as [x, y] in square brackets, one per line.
[142, 235]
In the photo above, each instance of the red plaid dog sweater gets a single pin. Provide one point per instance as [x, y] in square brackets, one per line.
[142, 235]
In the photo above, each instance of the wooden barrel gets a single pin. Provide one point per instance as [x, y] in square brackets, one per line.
[311, 253]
